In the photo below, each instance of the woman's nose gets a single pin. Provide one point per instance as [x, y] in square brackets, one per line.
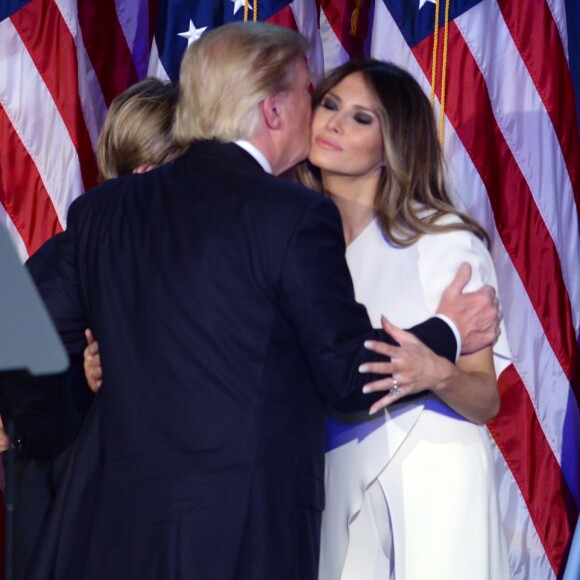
[334, 123]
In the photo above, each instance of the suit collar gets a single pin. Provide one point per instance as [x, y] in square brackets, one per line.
[255, 153]
[234, 154]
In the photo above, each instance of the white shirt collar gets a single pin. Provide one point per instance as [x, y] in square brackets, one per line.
[255, 153]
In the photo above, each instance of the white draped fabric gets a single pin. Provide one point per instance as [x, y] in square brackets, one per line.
[412, 490]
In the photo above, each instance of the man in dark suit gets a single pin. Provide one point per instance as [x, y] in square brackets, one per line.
[226, 319]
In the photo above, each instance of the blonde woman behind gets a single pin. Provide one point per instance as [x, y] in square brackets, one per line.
[137, 134]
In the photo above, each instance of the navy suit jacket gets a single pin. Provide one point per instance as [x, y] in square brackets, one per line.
[226, 319]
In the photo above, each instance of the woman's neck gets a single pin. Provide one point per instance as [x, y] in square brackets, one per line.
[355, 203]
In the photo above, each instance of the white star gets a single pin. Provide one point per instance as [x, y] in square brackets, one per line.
[240, 4]
[423, 2]
[193, 33]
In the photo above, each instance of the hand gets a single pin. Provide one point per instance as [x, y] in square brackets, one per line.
[476, 314]
[92, 363]
[4, 441]
[413, 367]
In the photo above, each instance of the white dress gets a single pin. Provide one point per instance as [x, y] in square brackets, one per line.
[410, 494]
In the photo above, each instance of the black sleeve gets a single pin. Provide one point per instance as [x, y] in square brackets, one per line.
[318, 297]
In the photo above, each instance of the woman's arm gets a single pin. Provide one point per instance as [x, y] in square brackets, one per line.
[471, 387]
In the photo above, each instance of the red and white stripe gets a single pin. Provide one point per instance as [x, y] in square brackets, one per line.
[62, 62]
[512, 148]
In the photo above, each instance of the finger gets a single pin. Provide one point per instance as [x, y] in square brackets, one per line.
[400, 335]
[96, 372]
[91, 351]
[4, 441]
[381, 404]
[377, 368]
[387, 400]
[461, 279]
[382, 348]
[95, 386]
[91, 381]
[489, 292]
[388, 326]
[89, 336]
[385, 384]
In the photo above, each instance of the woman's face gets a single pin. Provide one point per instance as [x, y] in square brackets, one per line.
[346, 134]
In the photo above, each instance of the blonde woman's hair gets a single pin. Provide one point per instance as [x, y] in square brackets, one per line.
[138, 129]
[227, 73]
[411, 196]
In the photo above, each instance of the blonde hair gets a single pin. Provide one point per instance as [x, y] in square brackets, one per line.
[138, 129]
[411, 197]
[227, 73]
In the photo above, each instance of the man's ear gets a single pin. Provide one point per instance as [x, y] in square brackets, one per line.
[272, 111]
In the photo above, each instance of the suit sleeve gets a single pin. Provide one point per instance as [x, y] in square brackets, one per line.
[54, 269]
[318, 297]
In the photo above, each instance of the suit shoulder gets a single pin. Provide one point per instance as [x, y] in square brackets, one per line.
[294, 196]
[92, 195]
[106, 195]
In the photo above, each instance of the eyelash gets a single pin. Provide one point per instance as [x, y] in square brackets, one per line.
[363, 119]
[330, 105]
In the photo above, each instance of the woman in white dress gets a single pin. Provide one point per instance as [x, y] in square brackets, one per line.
[410, 491]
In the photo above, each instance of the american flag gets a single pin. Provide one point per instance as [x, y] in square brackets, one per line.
[511, 139]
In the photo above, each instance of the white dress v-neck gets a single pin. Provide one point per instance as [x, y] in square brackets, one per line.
[410, 494]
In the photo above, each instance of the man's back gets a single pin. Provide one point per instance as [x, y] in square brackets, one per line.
[225, 313]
